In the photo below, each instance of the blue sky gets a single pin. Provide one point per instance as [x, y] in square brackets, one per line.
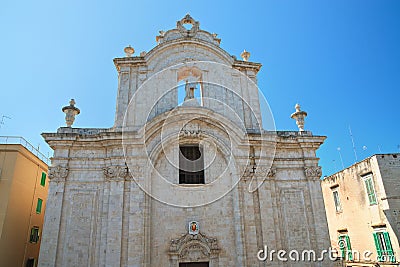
[339, 59]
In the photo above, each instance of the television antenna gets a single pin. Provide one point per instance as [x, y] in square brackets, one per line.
[341, 159]
[352, 140]
[2, 119]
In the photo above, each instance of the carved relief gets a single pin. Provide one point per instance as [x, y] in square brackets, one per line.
[190, 130]
[116, 172]
[313, 172]
[58, 173]
[188, 20]
[194, 248]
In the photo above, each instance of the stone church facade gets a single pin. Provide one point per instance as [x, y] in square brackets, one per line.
[187, 176]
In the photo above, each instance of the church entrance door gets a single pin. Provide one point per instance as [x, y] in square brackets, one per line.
[193, 264]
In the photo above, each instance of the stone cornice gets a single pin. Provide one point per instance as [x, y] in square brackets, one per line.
[239, 64]
[131, 61]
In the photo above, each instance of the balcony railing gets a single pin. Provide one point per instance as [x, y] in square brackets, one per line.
[18, 140]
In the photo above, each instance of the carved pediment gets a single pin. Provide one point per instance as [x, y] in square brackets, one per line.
[194, 248]
[192, 31]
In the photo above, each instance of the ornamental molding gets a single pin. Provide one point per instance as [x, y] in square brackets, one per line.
[191, 130]
[313, 172]
[188, 20]
[116, 173]
[194, 248]
[58, 173]
[258, 171]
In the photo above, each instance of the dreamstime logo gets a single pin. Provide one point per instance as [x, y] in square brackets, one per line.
[309, 255]
[220, 111]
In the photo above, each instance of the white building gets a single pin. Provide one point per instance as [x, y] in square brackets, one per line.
[197, 183]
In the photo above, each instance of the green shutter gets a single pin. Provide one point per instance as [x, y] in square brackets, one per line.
[389, 248]
[348, 252]
[39, 206]
[370, 190]
[378, 246]
[43, 180]
[342, 247]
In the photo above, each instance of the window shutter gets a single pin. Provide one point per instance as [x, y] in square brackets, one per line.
[378, 246]
[342, 247]
[349, 252]
[389, 248]
[43, 180]
[39, 205]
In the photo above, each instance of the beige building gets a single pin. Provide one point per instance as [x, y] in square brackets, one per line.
[187, 176]
[23, 195]
[362, 205]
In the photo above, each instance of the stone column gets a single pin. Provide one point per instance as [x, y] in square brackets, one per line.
[115, 175]
[54, 206]
[136, 221]
[123, 92]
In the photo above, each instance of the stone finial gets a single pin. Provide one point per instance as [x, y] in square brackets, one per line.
[299, 116]
[70, 112]
[245, 55]
[129, 51]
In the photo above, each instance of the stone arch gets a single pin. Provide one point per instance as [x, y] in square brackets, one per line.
[194, 248]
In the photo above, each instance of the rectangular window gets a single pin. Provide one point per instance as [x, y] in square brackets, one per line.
[34, 238]
[191, 165]
[43, 179]
[384, 246]
[345, 247]
[39, 205]
[30, 262]
[369, 186]
[336, 199]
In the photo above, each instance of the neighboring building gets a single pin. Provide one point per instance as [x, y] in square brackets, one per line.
[362, 205]
[191, 184]
[23, 195]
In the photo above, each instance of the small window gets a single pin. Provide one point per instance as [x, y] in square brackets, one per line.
[369, 186]
[345, 247]
[43, 179]
[384, 246]
[30, 262]
[336, 199]
[191, 165]
[34, 238]
[39, 205]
